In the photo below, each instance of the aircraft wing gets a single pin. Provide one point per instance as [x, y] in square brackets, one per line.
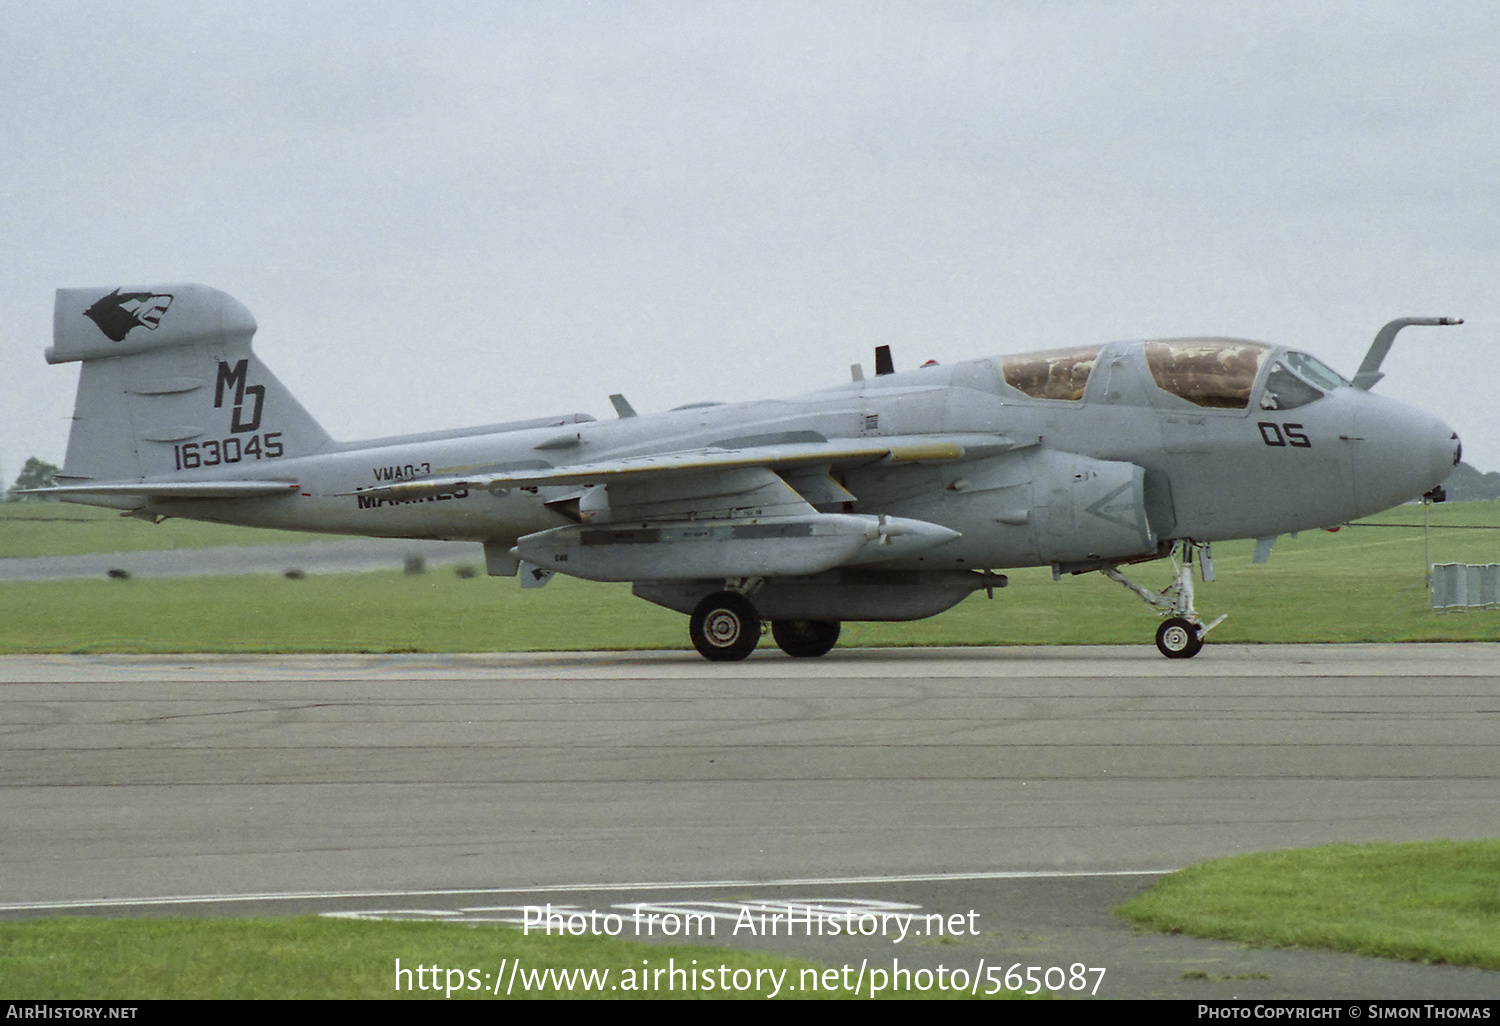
[845, 452]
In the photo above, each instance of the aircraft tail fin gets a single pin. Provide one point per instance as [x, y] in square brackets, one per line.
[170, 384]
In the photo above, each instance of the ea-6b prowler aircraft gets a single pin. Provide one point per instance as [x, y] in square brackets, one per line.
[891, 497]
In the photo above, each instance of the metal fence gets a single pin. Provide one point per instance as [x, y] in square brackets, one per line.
[1465, 586]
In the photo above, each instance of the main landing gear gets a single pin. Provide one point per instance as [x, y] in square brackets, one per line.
[805, 639]
[725, 627]
[1181, 633]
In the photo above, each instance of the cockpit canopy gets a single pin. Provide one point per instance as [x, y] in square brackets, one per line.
[1215, 373]
[1218, 373]
[1055, 374]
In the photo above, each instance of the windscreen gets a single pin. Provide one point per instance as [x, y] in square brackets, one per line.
[1296, 380]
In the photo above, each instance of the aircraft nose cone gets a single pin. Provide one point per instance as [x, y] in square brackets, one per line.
[1404, 453]
[1442, 452]
[1447, 451]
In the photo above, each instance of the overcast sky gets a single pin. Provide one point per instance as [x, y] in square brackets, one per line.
[456, 213]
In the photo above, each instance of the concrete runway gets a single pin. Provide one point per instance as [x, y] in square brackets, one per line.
[339, 556]
[135, 777]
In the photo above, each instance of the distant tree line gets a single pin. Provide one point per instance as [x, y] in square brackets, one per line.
[36, 474]
[1469, 485]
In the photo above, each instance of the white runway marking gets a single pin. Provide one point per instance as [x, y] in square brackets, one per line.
[832, 881]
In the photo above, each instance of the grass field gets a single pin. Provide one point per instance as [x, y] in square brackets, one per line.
[65, 529]
[1427, 902]
[311, 958]
[1434, 902]
[1360, 584]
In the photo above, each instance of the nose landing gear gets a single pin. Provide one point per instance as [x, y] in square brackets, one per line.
[1178, 638]
[1180, 635]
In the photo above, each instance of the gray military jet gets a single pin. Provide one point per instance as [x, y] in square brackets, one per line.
[891, 497]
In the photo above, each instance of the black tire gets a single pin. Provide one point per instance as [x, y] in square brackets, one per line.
[725, 627]
[1178, 639]
[806, 639]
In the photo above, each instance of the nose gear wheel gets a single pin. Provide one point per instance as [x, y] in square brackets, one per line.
[1178, 638]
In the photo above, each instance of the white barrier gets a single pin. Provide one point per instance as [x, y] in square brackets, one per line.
[1465, 586]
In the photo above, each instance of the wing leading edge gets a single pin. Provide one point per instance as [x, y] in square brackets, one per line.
[908, 449]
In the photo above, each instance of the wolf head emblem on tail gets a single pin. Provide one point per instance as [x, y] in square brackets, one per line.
[118, 313]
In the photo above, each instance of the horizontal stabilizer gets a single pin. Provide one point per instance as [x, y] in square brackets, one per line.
[174, 490]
